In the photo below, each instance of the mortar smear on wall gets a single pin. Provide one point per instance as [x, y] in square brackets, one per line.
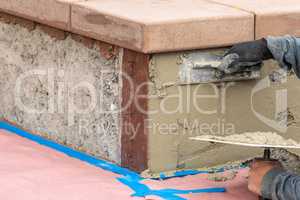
[61, 90]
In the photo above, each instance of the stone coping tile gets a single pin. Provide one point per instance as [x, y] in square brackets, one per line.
[273, 17]
[55, 13]
[158, 26]
[143, 25]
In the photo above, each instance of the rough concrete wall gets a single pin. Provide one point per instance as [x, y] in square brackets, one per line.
[61, 90]
[178, 112]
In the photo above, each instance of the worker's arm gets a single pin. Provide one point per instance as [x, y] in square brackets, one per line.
[286, 50]
[272, 182]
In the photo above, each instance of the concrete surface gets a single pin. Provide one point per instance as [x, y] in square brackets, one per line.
[60, 89]
[33, 172]
[178, 112]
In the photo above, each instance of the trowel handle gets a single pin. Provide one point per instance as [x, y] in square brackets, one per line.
[267, 156]
[261, 198]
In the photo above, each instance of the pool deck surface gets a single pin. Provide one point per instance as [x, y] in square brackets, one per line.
[30, 171]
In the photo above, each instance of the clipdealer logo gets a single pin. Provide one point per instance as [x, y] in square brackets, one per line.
[281, 98]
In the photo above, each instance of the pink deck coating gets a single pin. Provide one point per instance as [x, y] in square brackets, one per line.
[30, 171]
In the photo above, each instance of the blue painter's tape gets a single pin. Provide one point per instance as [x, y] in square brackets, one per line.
[184, 173]
[142, 190]
[72, 153]
[205, 190]
[162, 176]
[189, 172]
[130, 178]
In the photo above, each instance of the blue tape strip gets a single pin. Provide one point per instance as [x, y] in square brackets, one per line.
[184, 173]
[142, 190]
[72, 153]
[130, 178]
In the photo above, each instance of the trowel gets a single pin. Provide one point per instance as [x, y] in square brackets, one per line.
[266, 147]
[257, 145]
[205, 67]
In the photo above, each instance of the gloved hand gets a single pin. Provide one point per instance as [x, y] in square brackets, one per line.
[246, 54]
[258, 170]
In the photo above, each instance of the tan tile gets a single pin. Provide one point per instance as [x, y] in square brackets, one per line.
[156, 26]
[273, 17]
[51, 12]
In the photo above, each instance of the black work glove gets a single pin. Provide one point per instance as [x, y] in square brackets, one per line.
[246, 54]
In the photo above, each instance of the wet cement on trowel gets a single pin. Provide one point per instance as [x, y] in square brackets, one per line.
[253, 138]
[56, 103]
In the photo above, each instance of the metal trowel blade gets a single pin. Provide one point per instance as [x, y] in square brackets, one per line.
[219, 140]
[211, 70]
